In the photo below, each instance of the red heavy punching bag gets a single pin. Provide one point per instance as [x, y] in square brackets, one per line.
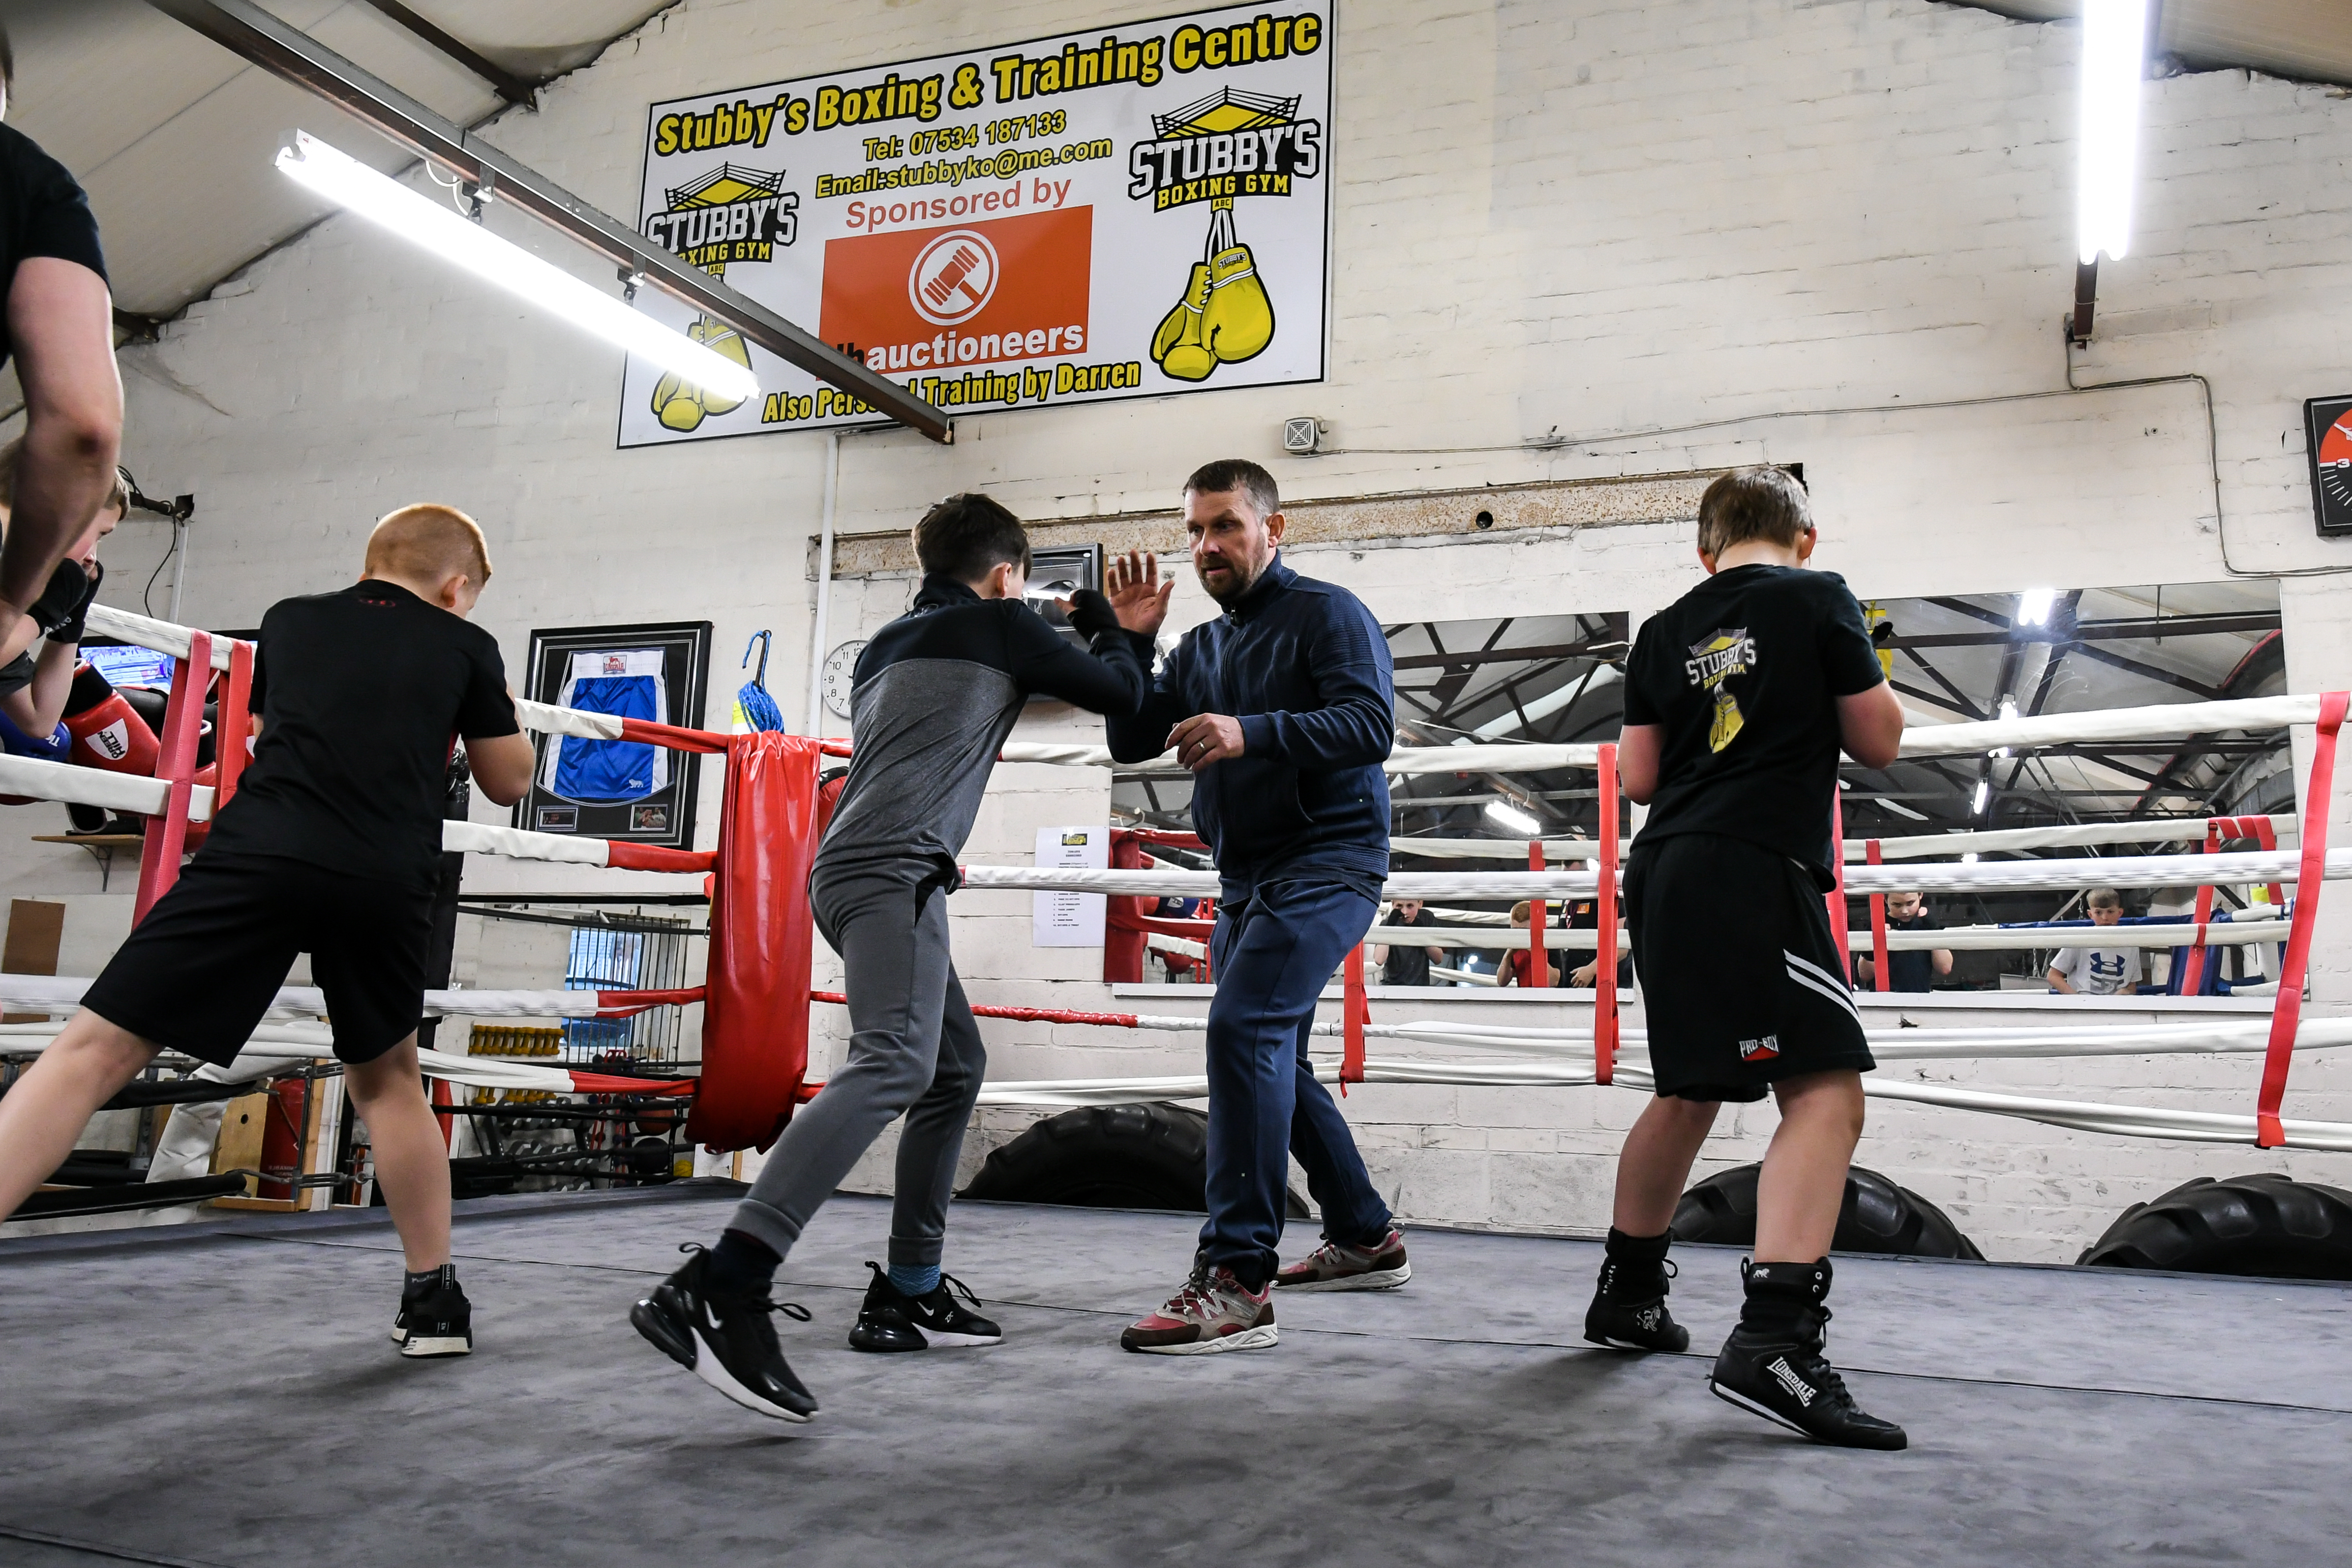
[755, 1009]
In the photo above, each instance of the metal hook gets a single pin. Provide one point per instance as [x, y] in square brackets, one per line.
[760, 675]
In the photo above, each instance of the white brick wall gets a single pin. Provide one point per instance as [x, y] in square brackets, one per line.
[1595, 217]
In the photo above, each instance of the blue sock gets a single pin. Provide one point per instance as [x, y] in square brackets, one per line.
[910, 1280]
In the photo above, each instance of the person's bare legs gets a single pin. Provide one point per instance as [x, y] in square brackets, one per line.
[411, 1164]
[1654, 1165]
[1803, 1181]
[42, 1116]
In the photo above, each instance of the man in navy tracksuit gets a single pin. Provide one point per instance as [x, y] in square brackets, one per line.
[1283, 709]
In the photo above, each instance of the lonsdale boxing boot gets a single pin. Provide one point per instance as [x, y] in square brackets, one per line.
[1773, 1364]
[1628, 1308]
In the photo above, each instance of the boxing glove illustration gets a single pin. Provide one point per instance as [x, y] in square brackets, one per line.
[1187, 358]
[679, 404]
[1238, 321]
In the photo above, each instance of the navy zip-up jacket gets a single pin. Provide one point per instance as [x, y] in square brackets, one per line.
[1305, 667]
[935, 694]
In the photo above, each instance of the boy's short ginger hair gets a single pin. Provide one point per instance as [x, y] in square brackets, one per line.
[428, 541]
[1524, 909]
[1760, 502]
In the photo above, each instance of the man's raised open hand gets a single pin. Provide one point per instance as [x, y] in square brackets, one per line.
[1137, 595]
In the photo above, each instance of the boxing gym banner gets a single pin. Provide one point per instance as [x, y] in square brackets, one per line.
[1127, 212]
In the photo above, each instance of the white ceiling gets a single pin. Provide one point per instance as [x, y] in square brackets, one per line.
[172, 135]
[2307, 39]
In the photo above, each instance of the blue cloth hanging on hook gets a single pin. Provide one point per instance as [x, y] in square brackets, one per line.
[755, 710]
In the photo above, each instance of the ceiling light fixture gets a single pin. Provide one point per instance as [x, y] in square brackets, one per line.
[425, 223]
[2115, 61]
[1512, 817]
[1984, 793]
[2033, 607]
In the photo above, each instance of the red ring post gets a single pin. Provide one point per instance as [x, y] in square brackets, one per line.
[175, 765]
[1355, 1012]
[2192, 968]
[2286, 1008]
[233, 732]
[1841, 920]
[1604, 910]
[1538, 964]
[1886, 982]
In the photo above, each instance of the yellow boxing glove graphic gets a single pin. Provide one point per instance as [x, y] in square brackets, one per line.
[1172, 325]
[1187, 359]
[679, 404]
[1238, 321]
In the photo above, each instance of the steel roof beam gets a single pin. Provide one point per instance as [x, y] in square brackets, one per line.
[504, 82]
[254, 34]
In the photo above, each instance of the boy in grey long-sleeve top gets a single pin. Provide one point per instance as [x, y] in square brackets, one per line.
[934, 696]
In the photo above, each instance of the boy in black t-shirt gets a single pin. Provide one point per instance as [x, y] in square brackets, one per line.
[1738, 700]
[331, 846]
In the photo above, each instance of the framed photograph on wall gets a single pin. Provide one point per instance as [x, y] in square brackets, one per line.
[625, 790]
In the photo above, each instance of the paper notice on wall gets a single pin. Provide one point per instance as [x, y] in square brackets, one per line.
[1128, 211]
[1070, 919]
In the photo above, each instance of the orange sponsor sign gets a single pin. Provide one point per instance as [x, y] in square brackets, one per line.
[962, 294]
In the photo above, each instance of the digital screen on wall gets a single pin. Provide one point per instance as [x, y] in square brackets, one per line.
[123, 665]
[625, 789]
[1129, 211]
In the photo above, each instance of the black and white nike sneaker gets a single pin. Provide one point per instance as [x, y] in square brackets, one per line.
[437, 1320]
[890, 1320]
[1629, 1307]
[727, 1340]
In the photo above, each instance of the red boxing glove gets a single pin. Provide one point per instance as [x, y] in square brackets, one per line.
[108, 733]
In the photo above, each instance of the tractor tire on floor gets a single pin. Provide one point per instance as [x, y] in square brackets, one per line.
[1876, 1217]
[2263, 1225]
[1107, 1156]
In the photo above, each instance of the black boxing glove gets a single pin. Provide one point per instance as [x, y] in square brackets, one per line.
[67, 595]
[1091, 614]
[77, 621]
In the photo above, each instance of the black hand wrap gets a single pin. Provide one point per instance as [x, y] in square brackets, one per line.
[1090, 613]
[76, 623]
[61, 601]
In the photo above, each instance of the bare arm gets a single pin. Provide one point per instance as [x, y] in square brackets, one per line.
[62, 324]
[2058, 982]
[1870, 726]
[502, 765]
[1637, 760]
[1943, 960]
[53, 675]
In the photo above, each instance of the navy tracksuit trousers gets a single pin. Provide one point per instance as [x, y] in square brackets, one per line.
[1275, 950]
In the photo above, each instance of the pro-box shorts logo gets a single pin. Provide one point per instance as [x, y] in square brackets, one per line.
[953, 277]
[1763, 1050]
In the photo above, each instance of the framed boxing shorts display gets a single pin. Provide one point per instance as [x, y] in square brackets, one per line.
[619, 789]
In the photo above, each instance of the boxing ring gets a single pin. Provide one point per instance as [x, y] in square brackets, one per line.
[757, 995]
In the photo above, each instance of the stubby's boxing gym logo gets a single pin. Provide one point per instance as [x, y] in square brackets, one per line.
[1763, 1049]
[1711, 662]
[731, 214]
[1225, 146]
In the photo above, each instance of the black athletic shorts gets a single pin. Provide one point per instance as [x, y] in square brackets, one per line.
[204, 966]
[1741, 978]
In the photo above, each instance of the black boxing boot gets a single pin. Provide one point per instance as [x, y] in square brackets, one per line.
[1773, 1364]
[1628, 1308]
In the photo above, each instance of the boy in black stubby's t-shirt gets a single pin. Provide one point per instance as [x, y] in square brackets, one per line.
[330, 846]
[1739, 697]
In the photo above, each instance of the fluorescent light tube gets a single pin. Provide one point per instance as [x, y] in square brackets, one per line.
[2033, 607]
[2115, 46]
[1984, 793]
[422, 221]
[1512, 817]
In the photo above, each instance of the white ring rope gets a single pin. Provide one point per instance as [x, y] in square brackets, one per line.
[2117, 871]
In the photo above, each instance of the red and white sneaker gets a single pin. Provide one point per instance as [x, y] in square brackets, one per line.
[1336, 1266]
[1213, 1312]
